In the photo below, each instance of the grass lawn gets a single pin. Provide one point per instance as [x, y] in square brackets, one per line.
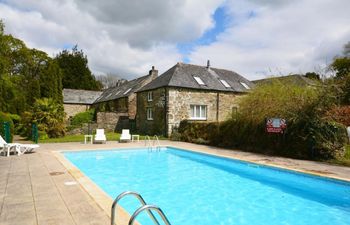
[80, 138]
[344, 161]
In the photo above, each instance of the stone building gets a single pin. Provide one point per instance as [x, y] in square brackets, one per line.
[188, 92]
[76, 101]
[116, 107]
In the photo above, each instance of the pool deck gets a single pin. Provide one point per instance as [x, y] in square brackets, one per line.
[44, 188]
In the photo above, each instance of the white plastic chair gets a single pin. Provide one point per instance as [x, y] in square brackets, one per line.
[100, 136]
[125, 137]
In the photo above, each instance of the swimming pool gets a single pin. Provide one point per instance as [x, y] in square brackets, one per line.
[194, 188]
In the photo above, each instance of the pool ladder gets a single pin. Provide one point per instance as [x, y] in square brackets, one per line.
[155, 145]
[144, 207]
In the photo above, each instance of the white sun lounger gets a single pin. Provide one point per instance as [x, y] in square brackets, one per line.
[17, 147]
[23, 148]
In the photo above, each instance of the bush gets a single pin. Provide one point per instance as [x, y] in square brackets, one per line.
[309, 133]
[49, 117]
[83, 117]
[340, 114]
[6, 117]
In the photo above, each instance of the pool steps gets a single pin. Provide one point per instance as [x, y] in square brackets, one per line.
[144, 207]
[155, 145]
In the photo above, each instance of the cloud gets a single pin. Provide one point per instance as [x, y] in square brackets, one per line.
[294, 38]
[128, 37]
[119, 37]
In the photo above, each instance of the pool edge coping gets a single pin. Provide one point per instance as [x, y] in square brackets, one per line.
[103, 200]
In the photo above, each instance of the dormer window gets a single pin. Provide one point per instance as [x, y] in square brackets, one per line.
[150, 96]
[199, 80]
[245, 85]
[127, 91]
[224, 82]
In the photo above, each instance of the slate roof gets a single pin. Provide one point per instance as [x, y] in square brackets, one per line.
[182, 75]
[295, 79]
[121, 91]
[75, 96]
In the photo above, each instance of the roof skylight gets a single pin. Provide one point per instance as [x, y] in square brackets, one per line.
[127, 91]
[224, 82]
[117, 93]
[199, 80]
[245, 85]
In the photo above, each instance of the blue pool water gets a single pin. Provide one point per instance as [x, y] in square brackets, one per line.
[194, 188]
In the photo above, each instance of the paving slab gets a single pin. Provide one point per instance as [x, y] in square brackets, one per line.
[34, 190]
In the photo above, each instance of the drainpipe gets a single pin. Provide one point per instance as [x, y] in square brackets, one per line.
[217, 106]
[166, 111]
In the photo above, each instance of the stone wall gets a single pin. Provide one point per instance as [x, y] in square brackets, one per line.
[227, 104]
[132, 105]
[179, 101]
[219, 105]
[73, 109]
[179, 105]
[157, 125]
[110, 120]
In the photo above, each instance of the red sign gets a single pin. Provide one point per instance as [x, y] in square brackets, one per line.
[275, 125]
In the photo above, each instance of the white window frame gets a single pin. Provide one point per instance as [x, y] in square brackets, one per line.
[150, 96]
[224, 82]
[199, 80]
[203, 112]
[245, 85]
[149, 113]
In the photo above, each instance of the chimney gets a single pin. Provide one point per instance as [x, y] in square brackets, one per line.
[208, 64]
[153, 73]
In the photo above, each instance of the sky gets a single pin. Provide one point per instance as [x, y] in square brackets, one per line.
[255, 38]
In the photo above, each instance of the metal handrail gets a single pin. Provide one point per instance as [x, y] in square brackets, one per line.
[139, 197]
[147, 138]
[156, 142]
[148, 142]
[149, 208]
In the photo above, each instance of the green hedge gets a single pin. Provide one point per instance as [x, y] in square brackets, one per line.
[83, 117]
[306, 140]
[6, 117]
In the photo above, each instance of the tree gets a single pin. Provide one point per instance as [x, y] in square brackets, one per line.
[346, 50]
[312, 75]
[110, 80]
[76, 73]
[51, 81]
[25, 75]
[341, 66]
[48, 115]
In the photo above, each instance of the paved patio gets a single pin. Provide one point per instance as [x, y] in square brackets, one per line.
[42, 188]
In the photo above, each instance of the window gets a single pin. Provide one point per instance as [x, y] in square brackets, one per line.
[198, 112]
[245, 85]
[199, 80]
[150, 96]
[224, 82]
[127, 91]
[149, 114]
